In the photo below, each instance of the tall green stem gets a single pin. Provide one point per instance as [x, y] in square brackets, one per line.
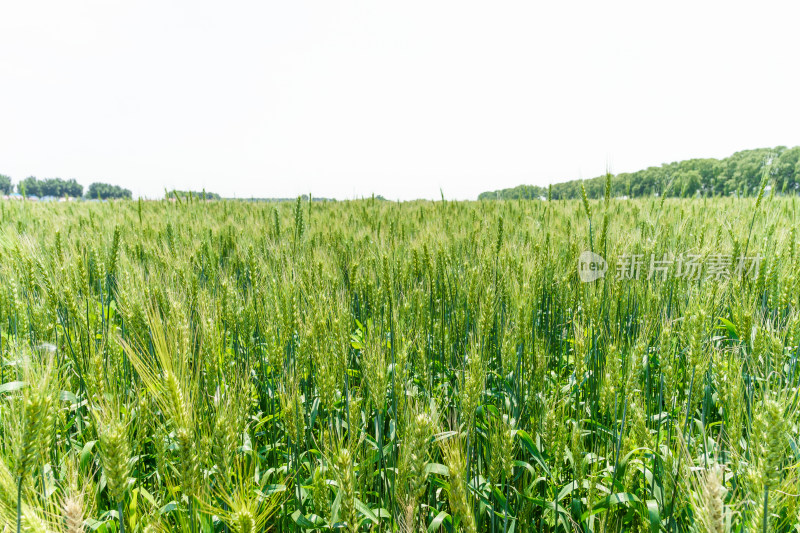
[121, 518]
[19, 504]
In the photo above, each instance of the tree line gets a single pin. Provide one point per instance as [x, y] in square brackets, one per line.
[739, 174]
[200, 195]
[57, 187]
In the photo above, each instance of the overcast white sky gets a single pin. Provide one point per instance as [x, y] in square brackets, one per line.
[346, 99]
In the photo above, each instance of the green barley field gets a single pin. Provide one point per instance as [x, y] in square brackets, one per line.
[375, 366]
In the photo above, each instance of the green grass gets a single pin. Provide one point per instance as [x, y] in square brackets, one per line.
[375, 366]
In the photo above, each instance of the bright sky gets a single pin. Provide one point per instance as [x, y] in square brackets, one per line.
[345, 99]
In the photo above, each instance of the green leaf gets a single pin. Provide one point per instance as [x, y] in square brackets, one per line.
[67, 396]
[269, 490]
[437, 522]
[12, 386]
[653, 515]
[93, 524]
[568, 488]
[302, 521]
[366, 511]
[730, 327]
[620, 498]
[147, 496]
[86, 453]
[437, 468]
[171, 506]
[529, 445]
[499, 496]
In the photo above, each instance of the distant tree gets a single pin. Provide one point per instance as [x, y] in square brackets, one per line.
[738, 174]
[5, 184]
[784, 169]
[105, 191]
[30, 186]
[690, 183]
[49, 187]
[195, 194]
[59, 187]
[73, 188]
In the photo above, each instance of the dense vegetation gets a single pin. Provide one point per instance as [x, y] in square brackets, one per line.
[105, 191]
[32, 186]
[304, 198]
[57, 187]
[202, 195]
[5, 184]
[739, 174]
[367, 365]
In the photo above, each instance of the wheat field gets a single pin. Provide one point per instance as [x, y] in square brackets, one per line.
[377, 366]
